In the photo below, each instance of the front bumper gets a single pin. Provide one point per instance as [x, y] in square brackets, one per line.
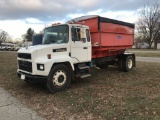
[33, 78]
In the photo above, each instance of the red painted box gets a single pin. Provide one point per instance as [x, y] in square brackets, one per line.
[108, 36]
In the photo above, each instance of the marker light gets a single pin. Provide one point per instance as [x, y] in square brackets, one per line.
[49, 56]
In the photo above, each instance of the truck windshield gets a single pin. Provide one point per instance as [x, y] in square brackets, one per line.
[56, 35]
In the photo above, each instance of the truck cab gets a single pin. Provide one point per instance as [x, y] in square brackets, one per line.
[64, 48]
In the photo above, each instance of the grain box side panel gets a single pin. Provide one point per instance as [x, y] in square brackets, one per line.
[109, 27]
[95, 39]
[115, 28]
[113, 39]
[126, 30]
[92, 23]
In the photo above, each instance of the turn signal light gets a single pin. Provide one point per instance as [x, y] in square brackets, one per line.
[49, 56]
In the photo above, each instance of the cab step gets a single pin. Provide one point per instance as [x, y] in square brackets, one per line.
[82, 71]
[84, 67]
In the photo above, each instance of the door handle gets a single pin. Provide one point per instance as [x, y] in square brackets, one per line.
[84, 47]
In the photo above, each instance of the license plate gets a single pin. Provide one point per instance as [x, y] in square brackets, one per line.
[23, 77]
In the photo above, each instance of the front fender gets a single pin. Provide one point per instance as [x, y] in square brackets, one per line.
[49, 62]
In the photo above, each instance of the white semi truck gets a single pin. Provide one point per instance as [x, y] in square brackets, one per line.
[70, 50]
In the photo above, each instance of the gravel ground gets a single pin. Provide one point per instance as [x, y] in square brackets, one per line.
[12, 109]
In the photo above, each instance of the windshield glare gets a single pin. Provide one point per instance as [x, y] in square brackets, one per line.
[56, 35]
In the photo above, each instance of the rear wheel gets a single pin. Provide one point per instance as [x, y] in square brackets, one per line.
[59, 78]
[127, 63]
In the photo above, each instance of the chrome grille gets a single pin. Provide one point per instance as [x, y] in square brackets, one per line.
[25, 65]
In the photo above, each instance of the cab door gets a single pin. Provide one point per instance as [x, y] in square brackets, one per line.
[79, 46]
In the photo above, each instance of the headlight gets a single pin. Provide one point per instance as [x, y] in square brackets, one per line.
[40, 67]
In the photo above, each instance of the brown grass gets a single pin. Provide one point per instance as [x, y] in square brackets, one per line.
[107, 94]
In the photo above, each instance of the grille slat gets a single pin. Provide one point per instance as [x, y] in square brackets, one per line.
[25, 65]
[24, 55]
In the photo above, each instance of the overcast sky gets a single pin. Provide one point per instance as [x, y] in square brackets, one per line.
[16, 16]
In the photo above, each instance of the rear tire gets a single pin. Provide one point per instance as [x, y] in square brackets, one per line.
[59, 78]
[127, 63]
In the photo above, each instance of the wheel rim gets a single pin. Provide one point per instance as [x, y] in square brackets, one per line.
[130, 63]
[59, 78]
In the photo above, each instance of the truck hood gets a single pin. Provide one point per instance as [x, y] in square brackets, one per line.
[31, 49]
[35, 48]
[42, 50]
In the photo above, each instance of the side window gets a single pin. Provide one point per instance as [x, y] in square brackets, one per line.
[88, 35]
[75, 34]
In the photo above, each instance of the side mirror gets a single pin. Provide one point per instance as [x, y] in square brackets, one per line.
[83, 33]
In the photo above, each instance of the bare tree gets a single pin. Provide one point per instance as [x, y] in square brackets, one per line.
[9, 39]
[23, 37]
[149, 24]
[3, 36]
[138, 41]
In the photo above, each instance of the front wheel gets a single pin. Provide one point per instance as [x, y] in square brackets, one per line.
[59, 78]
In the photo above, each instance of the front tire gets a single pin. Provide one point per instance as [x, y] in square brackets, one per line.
[59, 78]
